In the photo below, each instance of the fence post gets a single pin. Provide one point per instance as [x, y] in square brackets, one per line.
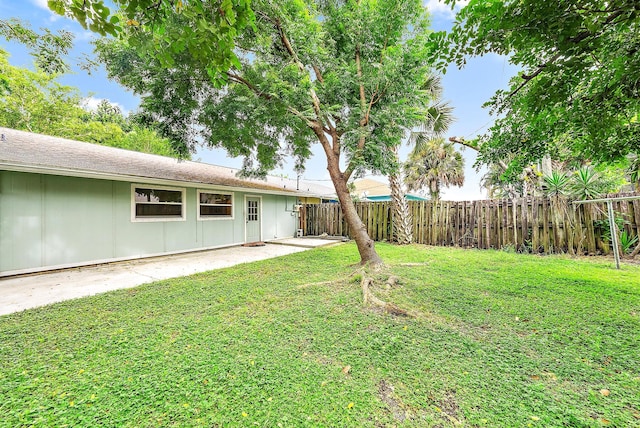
[614, 233]
[554, 226]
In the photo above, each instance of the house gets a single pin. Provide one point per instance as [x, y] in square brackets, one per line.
[374, 191]
[65, 203]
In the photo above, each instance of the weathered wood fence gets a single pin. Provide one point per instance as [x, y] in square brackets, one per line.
[544, 225]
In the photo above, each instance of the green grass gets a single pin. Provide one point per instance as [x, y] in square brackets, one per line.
[501, 339]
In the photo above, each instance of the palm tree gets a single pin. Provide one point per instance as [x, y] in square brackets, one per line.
[437, 122]
[402, 225]
[435, 165]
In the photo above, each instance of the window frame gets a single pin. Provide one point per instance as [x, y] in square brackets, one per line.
[134, 203]
[215, 217]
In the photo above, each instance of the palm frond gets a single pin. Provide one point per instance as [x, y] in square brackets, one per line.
[433, 85]
[440, 118]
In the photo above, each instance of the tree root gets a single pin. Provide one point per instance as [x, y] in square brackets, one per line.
[370, 298]
[392, 281]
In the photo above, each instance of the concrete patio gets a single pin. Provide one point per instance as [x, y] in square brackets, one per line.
[29, 291]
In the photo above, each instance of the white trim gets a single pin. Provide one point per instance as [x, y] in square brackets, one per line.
[244, 210]
[211, 217]
[9, 273]
[146, 180]
[183, 204]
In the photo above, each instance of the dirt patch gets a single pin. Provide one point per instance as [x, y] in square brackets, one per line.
[385, 392]
[254, 244]
[449, 409]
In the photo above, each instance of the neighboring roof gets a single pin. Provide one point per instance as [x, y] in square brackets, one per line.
[384, 198]
[373, 190]
[25, 151]
[368, 187]
[305, 188]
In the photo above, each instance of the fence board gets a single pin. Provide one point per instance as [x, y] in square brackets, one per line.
[538, 224]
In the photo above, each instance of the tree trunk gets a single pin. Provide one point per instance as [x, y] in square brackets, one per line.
[635, 252]
[357, 229]
[402, 226]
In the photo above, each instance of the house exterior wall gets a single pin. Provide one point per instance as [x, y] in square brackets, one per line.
[49, 221]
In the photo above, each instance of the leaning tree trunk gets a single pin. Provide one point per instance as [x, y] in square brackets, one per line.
[357, 229]
[402, 226]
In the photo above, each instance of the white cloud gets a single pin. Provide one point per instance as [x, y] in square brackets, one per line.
[91, 104]
[42, 4]
[83, 36]
[439, 7]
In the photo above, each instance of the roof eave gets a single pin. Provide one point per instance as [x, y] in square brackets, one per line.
[67, 172]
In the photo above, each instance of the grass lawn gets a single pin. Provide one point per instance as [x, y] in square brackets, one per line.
[499, 340]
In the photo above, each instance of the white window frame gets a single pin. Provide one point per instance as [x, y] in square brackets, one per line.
[136, 219]
[214, 217]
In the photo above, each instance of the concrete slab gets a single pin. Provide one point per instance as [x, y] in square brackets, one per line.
[30, 291]
[306, 242]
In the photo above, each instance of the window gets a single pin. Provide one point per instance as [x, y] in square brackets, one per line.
[252, 210]
[157, 204]
[215, 205]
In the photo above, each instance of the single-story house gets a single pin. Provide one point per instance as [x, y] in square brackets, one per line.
[375, 191]
[66, 203]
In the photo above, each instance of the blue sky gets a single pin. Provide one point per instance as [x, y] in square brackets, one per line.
[466, 90]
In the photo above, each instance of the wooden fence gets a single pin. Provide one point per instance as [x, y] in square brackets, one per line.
[534, 225]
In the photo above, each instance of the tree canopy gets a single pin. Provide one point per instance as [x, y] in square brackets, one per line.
[210, 35]
[348, 76]
[33, 101]
[579, 91]
[47, 48]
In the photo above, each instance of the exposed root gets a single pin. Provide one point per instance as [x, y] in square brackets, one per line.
[370, 298]
[392, 281]
[367, 284]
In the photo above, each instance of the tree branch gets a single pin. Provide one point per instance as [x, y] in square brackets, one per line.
[462, 141]
[349, 170]
[364, 120]
[581, 36]
[363, 101]
[475, 147]
[289, 48]
[239, 79]
[377, 92]
[318, 73]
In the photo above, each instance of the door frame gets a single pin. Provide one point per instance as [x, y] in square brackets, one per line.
[244, 210]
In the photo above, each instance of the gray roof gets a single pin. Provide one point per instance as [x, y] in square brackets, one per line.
[26, 151]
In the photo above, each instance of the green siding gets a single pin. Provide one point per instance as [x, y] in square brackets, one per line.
[220, 231]
[77, 218]
[21, 229]
[285, 223]
[50, 221]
